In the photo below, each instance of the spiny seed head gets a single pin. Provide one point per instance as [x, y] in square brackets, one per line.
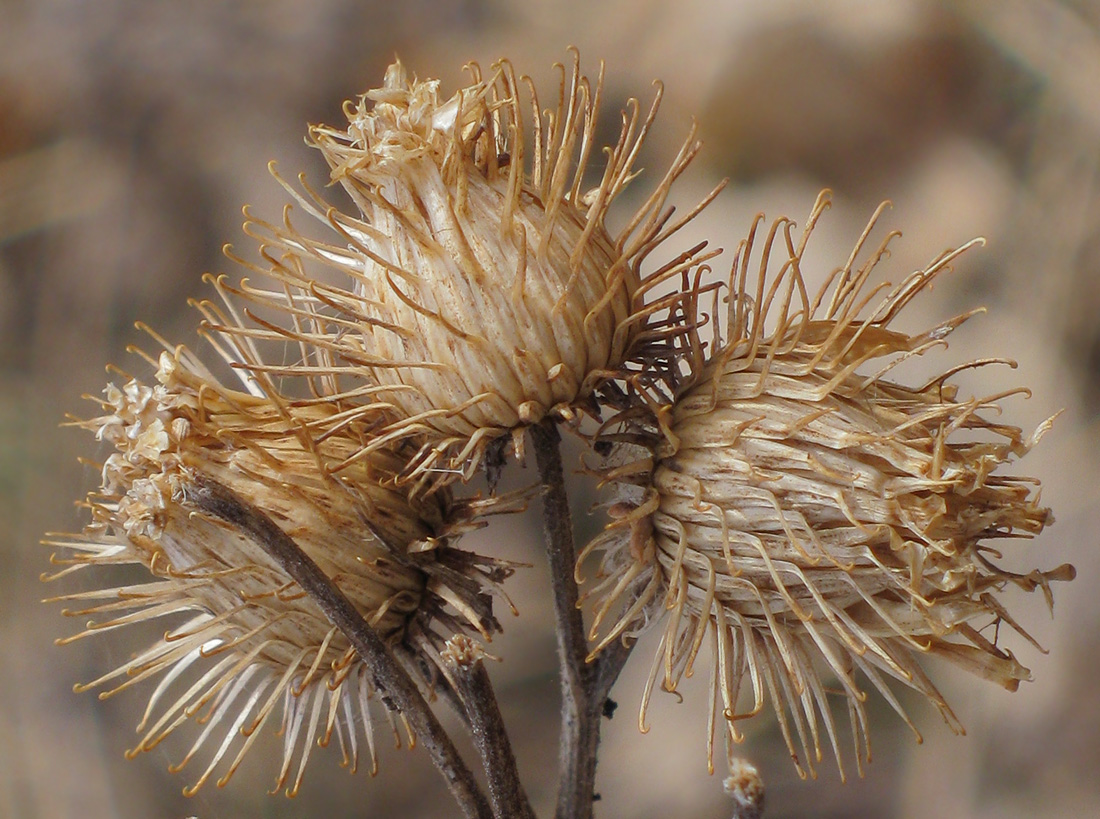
[819, 524]
[478, 287]
[245, 639]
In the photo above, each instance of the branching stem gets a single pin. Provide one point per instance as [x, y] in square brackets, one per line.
[585, 686]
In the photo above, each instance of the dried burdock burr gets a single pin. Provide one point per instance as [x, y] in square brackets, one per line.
[477, 286]
[821, 527]
[244, 641]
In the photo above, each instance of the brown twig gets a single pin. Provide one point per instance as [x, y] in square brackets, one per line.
[464, 661]
[215, 499]
[585, 686]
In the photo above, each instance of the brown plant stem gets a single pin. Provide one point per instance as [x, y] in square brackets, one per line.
[584, 685]
[471, 680]
[215, 499]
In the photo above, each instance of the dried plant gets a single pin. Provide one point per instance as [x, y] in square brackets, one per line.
[815, 520]
[258, 641]
[478, 288]
[774, 491]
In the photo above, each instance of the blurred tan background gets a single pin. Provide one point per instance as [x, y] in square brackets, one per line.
[131, 133]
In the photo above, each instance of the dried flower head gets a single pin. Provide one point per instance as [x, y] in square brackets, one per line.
[246, 638]
[822, 525]
[478, 288]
